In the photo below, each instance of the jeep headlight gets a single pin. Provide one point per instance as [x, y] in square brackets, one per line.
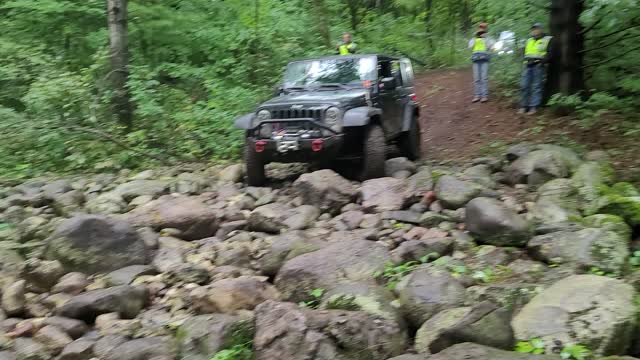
[265, 130]
[263, 115]
[333, 118]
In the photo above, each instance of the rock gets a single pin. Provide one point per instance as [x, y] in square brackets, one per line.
[13, 298]
[385, 194]
[610, 223]
[111, 324]
[187, 214]
[106, 204]
[55, 188]
[453, 193]
[427, 291]
[584, 249]
[166, 258]
[409, 357]
[483, 324]
[400, 164]
[152, 348]
[188, 183]
[403, 216]
[107, 344]
[125, 300]
[470, 351]
[132, 189]
[349, 220]
[325, 189]
[267, 218]
[41, 275]
[232, 173]
[81, 349]
[283, 331]
[126, 275]
[415, 250]
[303, 217]
[201, 337]
[421, 182]
[433, 219]
[53, 338]
[587, 181]
[285, 247]
[337, 264]
[7, 355]
[539, 166]
[481, 175]
[95, 243]
[593, 311]
[230, 295]
[28, 349]
[493, 223]
[186, 273]
[72, 327]
[72, 283]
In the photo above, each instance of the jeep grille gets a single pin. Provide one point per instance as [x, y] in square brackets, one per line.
[315, 114]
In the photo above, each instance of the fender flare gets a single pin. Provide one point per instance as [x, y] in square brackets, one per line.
[410, 112]
[360, 116]
[244, 121]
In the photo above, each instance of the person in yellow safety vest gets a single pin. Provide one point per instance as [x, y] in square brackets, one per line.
[537, 54]
[347, 47]
[481, 46]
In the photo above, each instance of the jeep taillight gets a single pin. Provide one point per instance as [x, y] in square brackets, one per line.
[260, 145]
[414, 97]
[316, 145]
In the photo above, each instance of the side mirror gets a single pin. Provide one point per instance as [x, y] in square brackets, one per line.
[388, 83]
[277, 90]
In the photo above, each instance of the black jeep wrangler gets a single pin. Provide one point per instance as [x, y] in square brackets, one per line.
[335, 108]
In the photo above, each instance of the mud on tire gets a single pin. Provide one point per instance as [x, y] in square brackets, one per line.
[256, 175]
[374, 153]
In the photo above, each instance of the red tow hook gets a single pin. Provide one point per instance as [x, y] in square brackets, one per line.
[316, 145]
[260, 146]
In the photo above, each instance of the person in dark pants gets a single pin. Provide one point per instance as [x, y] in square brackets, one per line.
[537, 55]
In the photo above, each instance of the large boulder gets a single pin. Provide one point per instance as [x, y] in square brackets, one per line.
[594, 311]
[202, 336]
[584, 249]
[484, 324]
[230, 295]
[470, 351]
[337, 264]
[427, 291]
[95, 243]
[135, 188]
[268, 218]
[286, 247]
[188, 214]
[284, 331]
[454, 193]
[421, 182]
[326, 190]
[125, 300]
[545, 163]
[587, 180]
[493, 223]
[385, 194]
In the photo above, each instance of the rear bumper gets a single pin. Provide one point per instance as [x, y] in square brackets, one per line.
[308, 150]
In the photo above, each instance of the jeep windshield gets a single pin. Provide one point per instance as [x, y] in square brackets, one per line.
[332, 73]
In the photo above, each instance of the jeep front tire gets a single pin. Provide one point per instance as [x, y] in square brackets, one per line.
[256, 175]
[374, 153]
[410, 141]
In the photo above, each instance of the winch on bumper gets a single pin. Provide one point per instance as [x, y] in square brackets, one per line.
[294, 140]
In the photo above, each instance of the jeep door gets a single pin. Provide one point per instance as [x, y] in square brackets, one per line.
[391, 100]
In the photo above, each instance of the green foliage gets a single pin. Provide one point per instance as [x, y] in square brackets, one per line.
[533, 346]
[237, 352]
[316, 295]
[596, 108]
[392, 273]
[577, 352]
[634, 260]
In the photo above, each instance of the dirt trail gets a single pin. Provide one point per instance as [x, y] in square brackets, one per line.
[453, 127]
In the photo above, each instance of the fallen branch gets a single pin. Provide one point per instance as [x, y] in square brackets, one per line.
[623, 38]
[611, 59]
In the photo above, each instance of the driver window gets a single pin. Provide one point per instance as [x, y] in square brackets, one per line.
[396, 73]
[384, 69]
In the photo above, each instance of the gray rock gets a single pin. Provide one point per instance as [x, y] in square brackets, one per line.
[326, 190]
[415, 250]
[594, 311]
[268, 218]
[395, 165]
[55, 188]
[28, 349]
[349, 220]
[283, 331]
[126, 275]
[81, 349]
[53, 338]
[427, 291]
[385, 194]
[72, 283]
[584, 249]
[232, 173]
[124, 300]
[152, 348]
[73, 327]
[41, 275]
[204, 335]
[421, 182]
[94, 243]
[13, 298]
[546, 163]
[432, 219]
[230, 295]
[186, 273]
[132, 189]
[483, 324]
[285, 247]
[107, 344]
[493, 223]
[7, 355]
[454, 193]
[410, 357]
[403, 216]
[106, 204]
[303, 217]
[187, 214]
[470, 351]
[481, 175]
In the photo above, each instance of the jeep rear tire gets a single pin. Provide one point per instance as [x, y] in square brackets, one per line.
[374, 153]
[410, 142]
[256, 175]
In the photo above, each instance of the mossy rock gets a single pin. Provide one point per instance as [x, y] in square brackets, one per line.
[608, 222]
[621, 199]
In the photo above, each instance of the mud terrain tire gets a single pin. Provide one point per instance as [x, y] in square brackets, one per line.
[374, 153]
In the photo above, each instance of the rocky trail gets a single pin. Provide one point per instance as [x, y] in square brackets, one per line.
[535, 246]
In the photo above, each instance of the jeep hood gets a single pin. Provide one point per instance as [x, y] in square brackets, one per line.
[331, 97]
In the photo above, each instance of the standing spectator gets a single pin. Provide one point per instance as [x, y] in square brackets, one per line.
[347, 47]
[537, 55]
[481, 46]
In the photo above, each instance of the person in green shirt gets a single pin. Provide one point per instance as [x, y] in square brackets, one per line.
[347, 46]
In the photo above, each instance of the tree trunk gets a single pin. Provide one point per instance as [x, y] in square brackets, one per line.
[566, 74]
[118, 40]
[427, 23]
[323, 22]
[353, 12]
